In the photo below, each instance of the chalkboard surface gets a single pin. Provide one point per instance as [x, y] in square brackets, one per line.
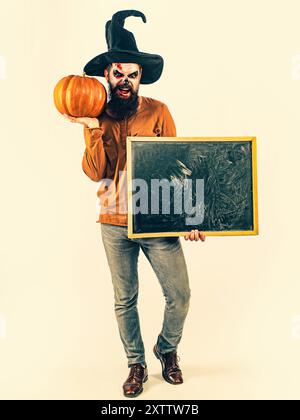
[210, 185]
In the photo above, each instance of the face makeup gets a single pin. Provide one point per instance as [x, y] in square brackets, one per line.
[125, 77]
[123, 83]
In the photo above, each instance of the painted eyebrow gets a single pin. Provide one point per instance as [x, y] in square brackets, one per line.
[135, 73]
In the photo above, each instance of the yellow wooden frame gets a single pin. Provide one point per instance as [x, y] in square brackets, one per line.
[207, 233]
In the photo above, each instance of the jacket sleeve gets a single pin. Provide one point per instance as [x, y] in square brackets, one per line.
[168, 128]
[94, 158]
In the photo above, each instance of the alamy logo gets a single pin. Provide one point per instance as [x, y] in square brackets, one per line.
[147, 199]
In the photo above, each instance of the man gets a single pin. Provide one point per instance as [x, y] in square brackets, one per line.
[128, 114]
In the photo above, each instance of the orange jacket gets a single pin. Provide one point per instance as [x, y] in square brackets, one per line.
[105, 153]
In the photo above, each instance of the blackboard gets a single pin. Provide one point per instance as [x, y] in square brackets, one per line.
[176, 184]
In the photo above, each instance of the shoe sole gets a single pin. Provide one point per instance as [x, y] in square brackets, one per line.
[162, 366]
[139, 393]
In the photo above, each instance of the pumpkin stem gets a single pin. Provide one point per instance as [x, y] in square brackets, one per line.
[83, 74]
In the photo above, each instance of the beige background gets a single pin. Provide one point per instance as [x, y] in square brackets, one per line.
[231, 68]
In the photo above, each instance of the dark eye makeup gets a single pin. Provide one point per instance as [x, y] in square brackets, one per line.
[117, 73]
[132, 75]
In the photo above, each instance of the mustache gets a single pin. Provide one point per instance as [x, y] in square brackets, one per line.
[127, 86]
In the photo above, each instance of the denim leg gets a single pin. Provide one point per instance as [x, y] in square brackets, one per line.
[167, 259]
[122, 256]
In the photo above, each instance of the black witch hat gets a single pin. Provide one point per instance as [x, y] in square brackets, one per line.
[122, 48]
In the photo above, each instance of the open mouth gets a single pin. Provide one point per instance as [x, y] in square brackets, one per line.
[124, 92]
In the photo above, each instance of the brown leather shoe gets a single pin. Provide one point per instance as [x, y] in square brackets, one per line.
[133, 386]
[170, 368]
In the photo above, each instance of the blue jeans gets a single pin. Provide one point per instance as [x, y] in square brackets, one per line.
[166, 257]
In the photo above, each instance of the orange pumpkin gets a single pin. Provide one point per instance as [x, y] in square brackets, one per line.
[80, 96]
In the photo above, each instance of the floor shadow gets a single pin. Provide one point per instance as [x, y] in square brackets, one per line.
[192, 372]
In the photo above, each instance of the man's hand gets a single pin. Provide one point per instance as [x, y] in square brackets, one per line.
[86, 121]
[195, 235]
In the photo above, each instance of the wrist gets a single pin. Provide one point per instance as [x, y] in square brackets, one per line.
[94, 123]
